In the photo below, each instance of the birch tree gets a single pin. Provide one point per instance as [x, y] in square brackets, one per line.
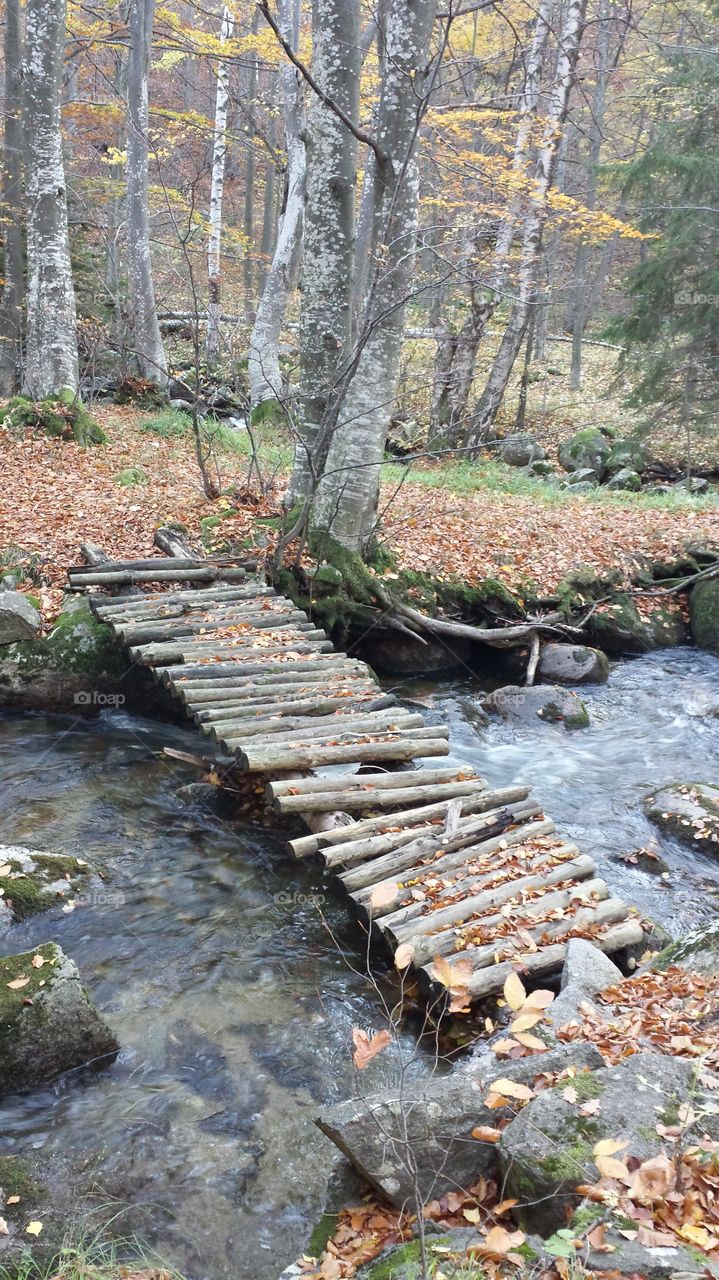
[12, 289]
[346, 502]
[219, 154]
[52, 363]
[145, 338]
[325, 318]
[263, 364]
[570, 38]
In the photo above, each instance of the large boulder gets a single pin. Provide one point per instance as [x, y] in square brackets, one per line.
[547, 702]
[620, 629]
[588, 968]
[587, 449]
[47, 1023]
[31, 881]
[19, 619]
[520, 450]
[625, 479]
[419, 1142]
[572, 664]
[704, 614]
[626, 455]
[689, 811]
[697, 951]
[548, 1149]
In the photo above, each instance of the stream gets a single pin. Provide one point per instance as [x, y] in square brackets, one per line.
[232, 977]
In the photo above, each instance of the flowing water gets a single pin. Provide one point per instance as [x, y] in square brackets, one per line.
[210, 955]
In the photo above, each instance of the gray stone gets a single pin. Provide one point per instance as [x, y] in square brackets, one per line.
[572, 664]
[626, 454]
[19, 620]
[568, 1007]
[429, 1129]
[628, 1257]
[180, 406]
[587, 449]
[32, 881]
[689, 811]
[520, 450]
[47, 1025]
[545, 702]
[547, 1150]
[541, 468]
[625, 479]
[619, 629]
[579, 486]
[588, 968]
[583, 476]
[697, 951]
[704, 614]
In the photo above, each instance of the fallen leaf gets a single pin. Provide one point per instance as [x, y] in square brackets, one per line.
[33, 1228]
[472, 1215]
[514, 992]
[512, 1089]
[384, 895]
[18, 983]
[485, 1133]
[404, 955]
[608, 1147]
[365, 1048]
[4, 1229]
[37, 961]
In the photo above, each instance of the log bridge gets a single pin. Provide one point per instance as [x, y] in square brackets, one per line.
[462, 883]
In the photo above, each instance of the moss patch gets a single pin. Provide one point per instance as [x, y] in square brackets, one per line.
[16, 1180]
[17, 967]
[63, 416]
[28, 892]
[77, 642]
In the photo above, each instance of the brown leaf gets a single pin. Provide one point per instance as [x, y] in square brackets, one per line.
[367, 1048]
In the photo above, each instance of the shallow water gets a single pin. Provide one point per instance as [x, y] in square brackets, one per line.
[208, 953]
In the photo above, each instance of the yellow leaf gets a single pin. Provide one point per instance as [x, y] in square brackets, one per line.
[512, 1089]
[524, 1022]
[37, 961]
[530, 1042]
[18, 983]
[611, 1168]
[514, 992]
[472, 1215]
[608, 1147]
[404, 955]
[33, 1228]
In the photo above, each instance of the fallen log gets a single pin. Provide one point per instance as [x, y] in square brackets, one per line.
[323, 662]
[306, 728]
[352, 798]
[127, 579]
[286, 707]
[367, 782]
[351, 753]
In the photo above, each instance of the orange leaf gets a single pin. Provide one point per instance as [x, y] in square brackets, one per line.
[365, 1048]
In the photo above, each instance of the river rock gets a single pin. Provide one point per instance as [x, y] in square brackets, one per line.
[429, 1129]
[619, 629]
[31, 881]
[47, 1023]
[625, 479]
[704, 614]
[627, 1257]
[572, 664]
[697, 951]
[547, 1150]
[520, 450]
[626, 455]
[587, 449]
[588, 968]
[689, 811]
[545, 702]
[19, 619]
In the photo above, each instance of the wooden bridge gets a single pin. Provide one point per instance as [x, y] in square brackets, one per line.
[462, 883]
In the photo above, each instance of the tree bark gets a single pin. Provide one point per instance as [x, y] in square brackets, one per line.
[346, 501]
[219, 154]
[263, 363]
[325, 320]
[52, 362]
[144, 330]
[12, 292]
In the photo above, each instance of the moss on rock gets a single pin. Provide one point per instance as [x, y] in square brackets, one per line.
[64, 670]
[704, 614]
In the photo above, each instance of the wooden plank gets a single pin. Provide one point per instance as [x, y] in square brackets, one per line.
[310, 757]
[277, 787]
[322, 662]
[187, 598]
[301, 728]
[351, 798]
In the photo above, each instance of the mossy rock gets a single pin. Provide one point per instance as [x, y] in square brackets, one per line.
[47, 1023]
[32, 881]
[697, 951]
[627, 454]
[620, 629]
[585, 450]
[704, 614]
[130, 477]
[142, 393]
[688, 811]
[74, 667]
[63, 416]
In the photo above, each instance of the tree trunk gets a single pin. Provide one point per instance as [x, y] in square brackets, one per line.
[249, 210]
[496, 385]
[219, 153]
[346, 501]
[325, 320]
[52, 363]
[263, 363]
[145, 338]
[12, 292]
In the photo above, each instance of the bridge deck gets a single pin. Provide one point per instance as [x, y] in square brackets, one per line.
[463, 883]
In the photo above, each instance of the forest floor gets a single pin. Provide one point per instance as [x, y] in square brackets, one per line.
[460, 520]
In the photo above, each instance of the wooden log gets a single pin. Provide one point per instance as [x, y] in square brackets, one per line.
[352, 753]
[369, 698]
[352, 798]
[301, 729]
[93, 554]
[156, 562]
[495, 807]
[185, 598]
[387, 822]
[321, 663]
[198, 622]
[168, 652]
[549, 959]
[128, 579]
[406, 924]
[171, 542]
[498, 819]
[277, 787]
[303, 683]
[333, 735]
[529, 916]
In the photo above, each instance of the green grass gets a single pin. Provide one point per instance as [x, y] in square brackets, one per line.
[495, 477]
[274, 447]
[94, 1257]
[167, 423]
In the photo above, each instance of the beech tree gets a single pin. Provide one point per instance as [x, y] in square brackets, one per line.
[219, 153]
[12, 172]
[52, 361]
[144, 330]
